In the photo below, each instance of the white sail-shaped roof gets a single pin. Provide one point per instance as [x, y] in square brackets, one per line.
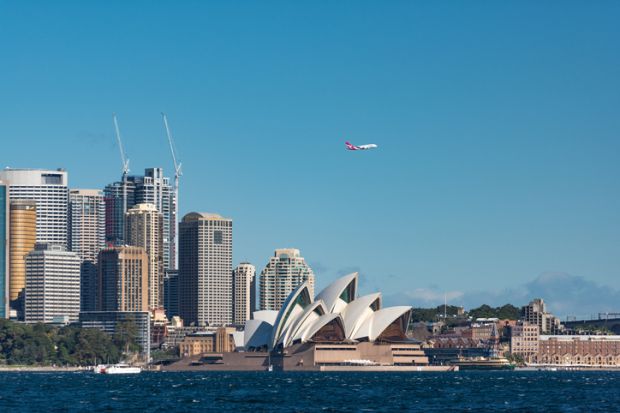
[321, 322]
[303, 322]
[266, 315]
[294, 306]
[380, 320]
[357, 311]
[339, 293]
[335, 316]
[256, 334]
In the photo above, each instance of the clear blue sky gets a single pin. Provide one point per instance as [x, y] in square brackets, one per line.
[498, 125]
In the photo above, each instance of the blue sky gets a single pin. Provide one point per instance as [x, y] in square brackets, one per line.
[497, 124]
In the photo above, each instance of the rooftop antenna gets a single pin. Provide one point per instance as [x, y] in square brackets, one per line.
[125, 161]
[177, 172]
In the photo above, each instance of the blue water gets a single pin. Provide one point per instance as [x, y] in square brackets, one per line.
[312, 392]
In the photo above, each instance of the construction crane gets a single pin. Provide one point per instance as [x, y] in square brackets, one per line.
[125, 161]
[177, 172]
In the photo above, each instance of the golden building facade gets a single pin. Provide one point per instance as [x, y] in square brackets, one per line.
[144, 228]
[22, 238]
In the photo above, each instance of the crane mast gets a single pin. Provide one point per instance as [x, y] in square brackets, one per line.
[177, 174]
[125, 164]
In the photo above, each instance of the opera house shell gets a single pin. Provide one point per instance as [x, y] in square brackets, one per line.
[335, 315]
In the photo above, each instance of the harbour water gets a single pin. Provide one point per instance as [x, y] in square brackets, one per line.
[312, 392]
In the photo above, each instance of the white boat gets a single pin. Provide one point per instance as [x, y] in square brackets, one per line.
[117, 369]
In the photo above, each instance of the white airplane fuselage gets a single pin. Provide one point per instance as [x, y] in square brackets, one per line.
[352, 147]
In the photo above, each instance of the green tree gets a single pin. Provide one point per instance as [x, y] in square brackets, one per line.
[126, 337]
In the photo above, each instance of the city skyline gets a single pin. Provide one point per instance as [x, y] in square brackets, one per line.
[496, 171]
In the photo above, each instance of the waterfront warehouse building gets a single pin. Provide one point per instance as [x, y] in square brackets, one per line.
[87, 238]
[122, 282]
[4, 250]
[151, 188]
[22, 239]
[144, 228]
[205, 269]
[48, 188]
[244, 292]
[578, 351]
[286, 270]
[52, 284]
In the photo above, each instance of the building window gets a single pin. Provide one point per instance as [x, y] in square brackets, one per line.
[217, 237]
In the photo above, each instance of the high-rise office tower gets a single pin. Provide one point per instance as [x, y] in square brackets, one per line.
[22, 239]
[49, 189]
[171, 293]
[52, 284]
[152, 188]
[4, 250]
[205, 269]
[144, 228]
[284, 272]
[122, 279]
[87, 238]
[244, 292]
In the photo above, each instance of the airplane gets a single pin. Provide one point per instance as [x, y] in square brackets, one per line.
[352, 147]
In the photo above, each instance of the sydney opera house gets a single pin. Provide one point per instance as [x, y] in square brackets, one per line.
[336, 315]
[334, 331]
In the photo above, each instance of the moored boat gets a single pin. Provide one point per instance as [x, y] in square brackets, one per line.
[483, 363]
[120, 368]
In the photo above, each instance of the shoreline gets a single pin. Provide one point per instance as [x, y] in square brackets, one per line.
[41, 369]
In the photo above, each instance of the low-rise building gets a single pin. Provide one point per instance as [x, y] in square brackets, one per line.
[524, 341]
[218, 341]
[108, 321]
[587, 351]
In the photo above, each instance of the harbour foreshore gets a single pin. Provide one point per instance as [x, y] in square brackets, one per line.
[40, 369]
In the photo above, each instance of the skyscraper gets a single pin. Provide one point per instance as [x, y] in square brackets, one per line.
[4, 250]
[49, 189]
[205, 269]
[122, 279]
[87, 238]
[144, 228]
[171, 293]
[22, 239]
[286, 270]
[244, 292]
[152, 188]
[52, 284]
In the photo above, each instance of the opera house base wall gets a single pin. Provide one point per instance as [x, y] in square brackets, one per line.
[363, 356]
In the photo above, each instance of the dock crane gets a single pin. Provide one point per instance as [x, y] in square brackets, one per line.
[125, 161]
[177, 170]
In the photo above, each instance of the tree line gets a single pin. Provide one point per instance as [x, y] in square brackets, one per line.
[43, 344]
[505, 312]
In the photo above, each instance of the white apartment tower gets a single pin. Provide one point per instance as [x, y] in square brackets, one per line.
[144, 228]
[48, 188]
[205, 269]
[52, 284]
[286, 270]
[87, 238]
[244, 292]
